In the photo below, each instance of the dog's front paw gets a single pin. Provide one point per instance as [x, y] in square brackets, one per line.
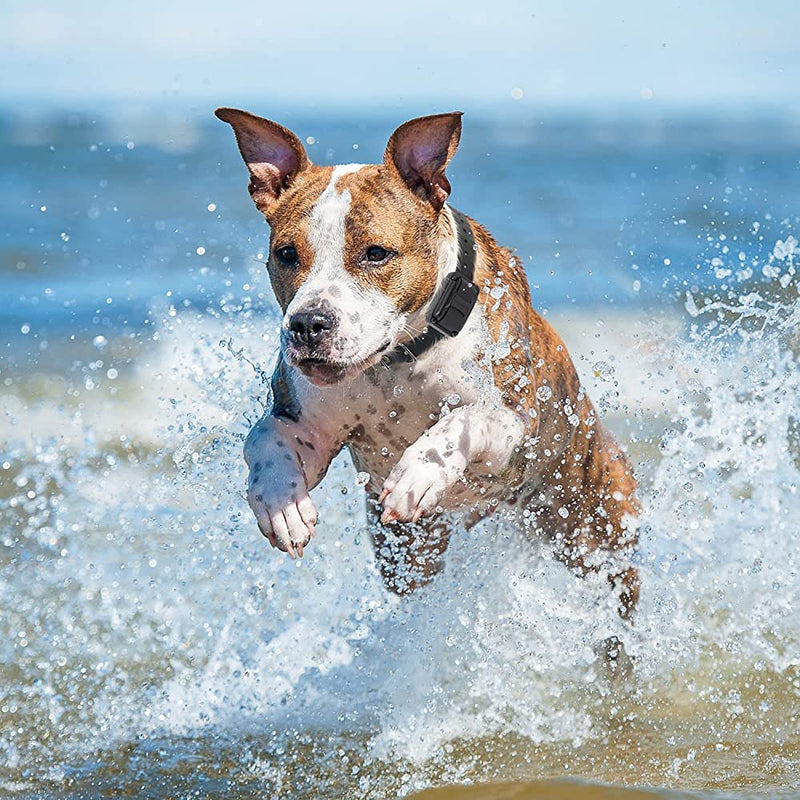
[416, 485]
[285, 513]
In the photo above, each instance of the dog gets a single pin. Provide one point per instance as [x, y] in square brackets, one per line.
[408, 338]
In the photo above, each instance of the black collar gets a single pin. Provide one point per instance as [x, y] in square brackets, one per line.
[452, 304]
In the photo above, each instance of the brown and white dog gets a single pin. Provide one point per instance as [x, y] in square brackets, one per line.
[492, 418]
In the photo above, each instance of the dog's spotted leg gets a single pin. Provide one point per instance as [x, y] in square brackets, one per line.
[472, 437]
[285, 461]
[408, 554]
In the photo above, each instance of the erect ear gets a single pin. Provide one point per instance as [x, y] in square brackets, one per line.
[273, 154]
[421, 149]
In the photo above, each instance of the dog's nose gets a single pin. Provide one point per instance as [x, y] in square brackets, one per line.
[309, 327]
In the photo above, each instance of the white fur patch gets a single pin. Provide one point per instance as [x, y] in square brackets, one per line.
[326, 232]
[365, 317]
[326, 235]
[327, 225]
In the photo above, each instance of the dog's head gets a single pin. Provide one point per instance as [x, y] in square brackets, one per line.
[354, 250]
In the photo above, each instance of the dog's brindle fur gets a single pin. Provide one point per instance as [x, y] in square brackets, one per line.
[494, 418]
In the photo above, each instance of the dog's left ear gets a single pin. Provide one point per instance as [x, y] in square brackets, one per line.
[273, 154]
[421, 149]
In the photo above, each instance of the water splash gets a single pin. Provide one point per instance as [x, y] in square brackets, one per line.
[145, 619]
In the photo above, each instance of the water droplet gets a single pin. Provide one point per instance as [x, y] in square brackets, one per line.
[362, 478]
[603, 370]
[562, 512]
[544, 393]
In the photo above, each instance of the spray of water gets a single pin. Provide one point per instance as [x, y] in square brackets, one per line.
[146, 620]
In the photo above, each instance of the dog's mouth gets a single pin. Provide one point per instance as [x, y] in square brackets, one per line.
[326, 372]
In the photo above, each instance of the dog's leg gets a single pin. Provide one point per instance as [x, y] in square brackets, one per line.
[592, 513]
[604, 546]
[285, 461]
[585, 552]
[408, 554]
[476, 437]
[591, 521]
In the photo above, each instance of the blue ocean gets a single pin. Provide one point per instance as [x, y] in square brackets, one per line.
[153, 645]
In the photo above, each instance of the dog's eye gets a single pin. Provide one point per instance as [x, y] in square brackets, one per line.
[287, 255]
[377, 254]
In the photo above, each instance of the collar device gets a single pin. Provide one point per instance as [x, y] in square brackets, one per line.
[452, 304]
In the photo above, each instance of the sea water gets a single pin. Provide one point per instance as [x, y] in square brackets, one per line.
[152, 644]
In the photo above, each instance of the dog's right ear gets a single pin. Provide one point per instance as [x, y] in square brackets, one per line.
[273, 154]
[420, 149]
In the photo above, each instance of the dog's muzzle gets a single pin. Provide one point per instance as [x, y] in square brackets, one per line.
[307, 341]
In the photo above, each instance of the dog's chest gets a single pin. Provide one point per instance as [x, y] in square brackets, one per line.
[386, 412]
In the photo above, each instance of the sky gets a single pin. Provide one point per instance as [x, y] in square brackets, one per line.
[494, 53]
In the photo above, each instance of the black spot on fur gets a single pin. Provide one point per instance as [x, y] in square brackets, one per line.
[463, 441]
[433, 456]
